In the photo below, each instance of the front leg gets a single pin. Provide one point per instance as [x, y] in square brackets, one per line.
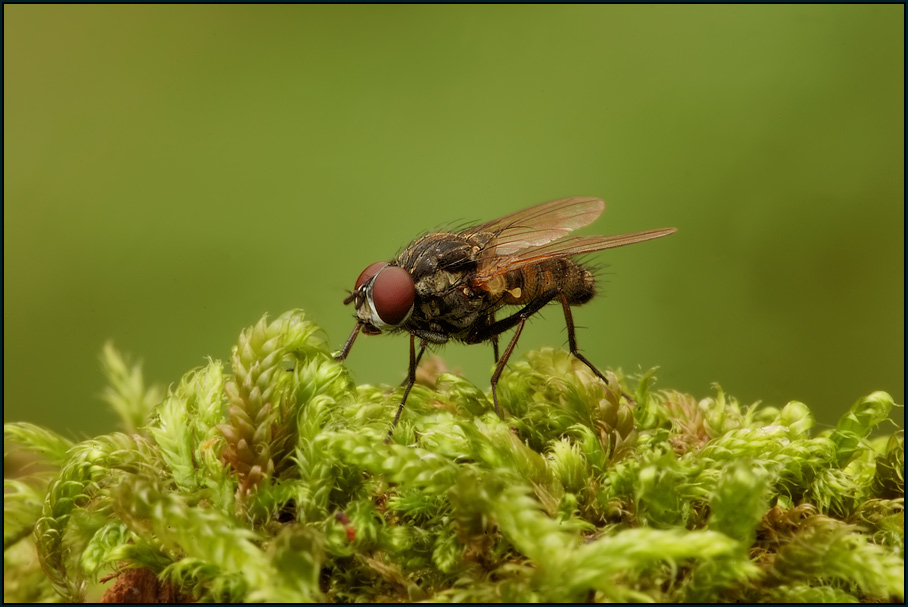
[349, 343]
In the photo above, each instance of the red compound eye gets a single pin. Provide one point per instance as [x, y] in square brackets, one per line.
[369, 272]
[392, 294]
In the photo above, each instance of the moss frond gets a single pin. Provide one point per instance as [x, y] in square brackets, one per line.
[126, 392]
[273, 482]
[278, 367]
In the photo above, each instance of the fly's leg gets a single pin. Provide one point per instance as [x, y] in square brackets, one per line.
[494, 329]
[572, 342]
[494, 337]
[504, 361]
[349, 343]
[411, 379]
[490, 331]
[422, 349]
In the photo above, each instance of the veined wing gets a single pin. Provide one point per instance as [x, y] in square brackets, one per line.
[577, 245]
[537, 225]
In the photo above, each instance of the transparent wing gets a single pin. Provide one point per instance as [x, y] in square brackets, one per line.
[537, 225]
[577, 245]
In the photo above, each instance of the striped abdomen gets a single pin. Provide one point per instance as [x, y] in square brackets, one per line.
[520, 287]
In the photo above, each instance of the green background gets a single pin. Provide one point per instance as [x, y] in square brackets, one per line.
[174, 172]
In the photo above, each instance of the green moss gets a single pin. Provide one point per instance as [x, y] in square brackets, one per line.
[273, 482]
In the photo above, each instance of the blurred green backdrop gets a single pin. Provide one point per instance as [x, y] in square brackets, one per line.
[174, 172]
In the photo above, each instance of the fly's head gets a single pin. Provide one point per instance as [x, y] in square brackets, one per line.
[384, 296]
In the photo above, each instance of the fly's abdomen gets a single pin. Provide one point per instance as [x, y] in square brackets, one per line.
[522, 286]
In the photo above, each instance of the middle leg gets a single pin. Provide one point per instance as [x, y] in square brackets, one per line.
[411, 379]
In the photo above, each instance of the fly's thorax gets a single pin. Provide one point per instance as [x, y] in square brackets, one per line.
[441, 265]
[524, 285]
[442, 251]
[447, 304]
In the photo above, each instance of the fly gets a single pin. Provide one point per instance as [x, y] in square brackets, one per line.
[451, 285]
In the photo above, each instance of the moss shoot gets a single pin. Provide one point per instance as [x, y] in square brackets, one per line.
[270, 480]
